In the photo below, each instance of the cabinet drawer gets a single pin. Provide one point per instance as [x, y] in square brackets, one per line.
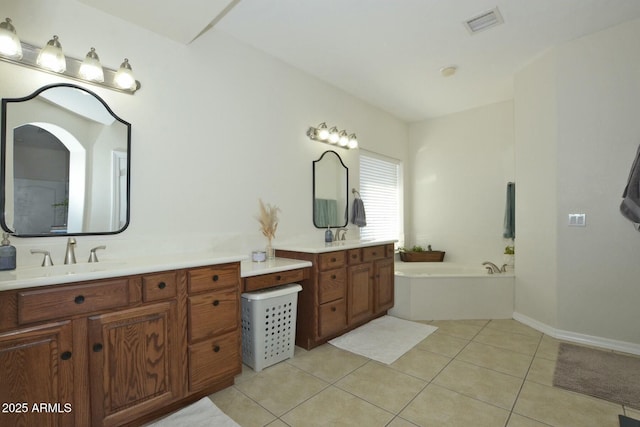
[332, 317]
[214, 277]
[211, 360]
[157, 287]
[332, 285]
[273, 279]
[45, 304]
[372, 253]
[212, 313]
[354, 256]
[330, 260]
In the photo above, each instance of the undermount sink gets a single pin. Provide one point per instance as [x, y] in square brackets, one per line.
[65, 269]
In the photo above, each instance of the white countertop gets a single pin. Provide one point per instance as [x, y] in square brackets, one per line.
[58, 274]
[27, 277]
[319, 247]
[249, 268]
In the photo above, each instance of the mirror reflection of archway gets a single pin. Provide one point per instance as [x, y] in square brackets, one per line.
[49, 179]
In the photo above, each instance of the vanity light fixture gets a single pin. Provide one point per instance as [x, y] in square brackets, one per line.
[9, 41]
[51, 59]
[332, 136]
[91, 68]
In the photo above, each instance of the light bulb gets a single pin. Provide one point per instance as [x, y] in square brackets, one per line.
[334, 135]
[124, 77]
[322, 132]
[9, 42]
[91, 69]
[353, 141]
[51, 56]
[344, 139]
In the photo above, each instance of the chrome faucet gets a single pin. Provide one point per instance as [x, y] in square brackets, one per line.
[70, 255]
[336, 236]
[492, 268]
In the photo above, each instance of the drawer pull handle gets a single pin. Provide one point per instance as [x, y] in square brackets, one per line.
[216, 303]
[333, 277]
[97, 348]
[162, 285]
[278, 277]
[333, 309]
[216, 348]
[215, 277]
[354, 256]
[374, 253]
[66, 355]
[79, 299]
[333, 259]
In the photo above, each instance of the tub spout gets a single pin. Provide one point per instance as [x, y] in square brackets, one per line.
[492, 267]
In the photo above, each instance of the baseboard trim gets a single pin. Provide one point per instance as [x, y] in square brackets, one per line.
[606, 343]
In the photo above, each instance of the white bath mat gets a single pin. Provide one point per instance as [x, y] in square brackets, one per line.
[203, 413]
[384, 339]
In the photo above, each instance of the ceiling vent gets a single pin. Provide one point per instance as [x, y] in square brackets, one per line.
[484, 21]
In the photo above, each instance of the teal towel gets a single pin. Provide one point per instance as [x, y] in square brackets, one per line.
[510, 213]
[326, 213]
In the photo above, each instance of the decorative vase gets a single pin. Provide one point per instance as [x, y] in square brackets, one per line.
[271, 253]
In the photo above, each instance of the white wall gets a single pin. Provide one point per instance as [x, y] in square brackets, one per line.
[216, 126]
[536, 124]
[461, 164]
[581, 103]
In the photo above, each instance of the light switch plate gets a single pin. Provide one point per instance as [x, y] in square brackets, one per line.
[577, 220]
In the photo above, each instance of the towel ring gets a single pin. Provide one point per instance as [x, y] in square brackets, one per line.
[354, 191]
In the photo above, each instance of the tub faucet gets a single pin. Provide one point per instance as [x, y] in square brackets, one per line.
[70, 255]
[492, 268]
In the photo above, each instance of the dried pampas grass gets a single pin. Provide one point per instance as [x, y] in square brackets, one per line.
[268, 219]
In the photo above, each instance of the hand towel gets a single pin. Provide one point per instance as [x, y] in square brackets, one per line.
[358, 216]
[630, 206]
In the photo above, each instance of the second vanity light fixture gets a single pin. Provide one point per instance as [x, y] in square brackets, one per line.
[332, 136]
[51, 59]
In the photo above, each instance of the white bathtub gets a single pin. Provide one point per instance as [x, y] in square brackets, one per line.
[444, 290]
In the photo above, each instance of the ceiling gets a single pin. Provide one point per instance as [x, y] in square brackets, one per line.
[389, 52]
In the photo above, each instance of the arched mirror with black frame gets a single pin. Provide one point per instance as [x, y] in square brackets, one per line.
[66, 164]
[330, 191]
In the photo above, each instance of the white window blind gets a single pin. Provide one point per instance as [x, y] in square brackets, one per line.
[380, 190]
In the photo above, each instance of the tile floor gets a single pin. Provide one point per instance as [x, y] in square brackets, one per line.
[478, 373]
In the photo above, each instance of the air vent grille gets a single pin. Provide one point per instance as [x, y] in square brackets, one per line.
[484, 21]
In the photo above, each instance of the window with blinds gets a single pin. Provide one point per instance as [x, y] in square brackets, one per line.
[380, 189]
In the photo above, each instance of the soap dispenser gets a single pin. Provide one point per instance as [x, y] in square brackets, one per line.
[7, 254]
[328, 236]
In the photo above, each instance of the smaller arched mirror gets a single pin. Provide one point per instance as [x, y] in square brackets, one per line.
[330, 191]
[65, 164]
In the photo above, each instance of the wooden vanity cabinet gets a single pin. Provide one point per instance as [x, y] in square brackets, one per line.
[345, 289]
[37, 366]
[119, 351]
[214, 346]
[133, 362]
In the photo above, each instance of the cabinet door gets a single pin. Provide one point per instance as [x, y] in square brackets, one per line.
[384, 276]
[360, 298]
[133, 362]
[36, 369]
